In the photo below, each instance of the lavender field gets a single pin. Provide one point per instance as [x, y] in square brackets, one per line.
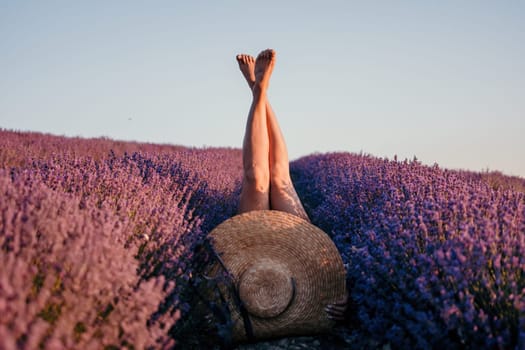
[102, 242]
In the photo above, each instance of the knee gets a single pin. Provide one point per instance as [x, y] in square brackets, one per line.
[280, 178]
[257, 178]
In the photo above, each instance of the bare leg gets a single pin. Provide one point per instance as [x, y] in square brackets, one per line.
[255, 193]
[282, 192]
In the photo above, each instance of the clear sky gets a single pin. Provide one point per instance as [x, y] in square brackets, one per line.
[440, 80]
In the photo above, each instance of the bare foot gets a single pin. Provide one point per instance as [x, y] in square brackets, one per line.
[263, 70]
[247, 67]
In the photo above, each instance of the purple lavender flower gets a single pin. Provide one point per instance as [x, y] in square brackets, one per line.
[102, 243]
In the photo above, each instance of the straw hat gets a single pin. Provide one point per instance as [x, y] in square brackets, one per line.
[284, 271]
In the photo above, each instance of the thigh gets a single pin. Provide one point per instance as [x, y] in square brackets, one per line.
[285, 198]
[253, 199]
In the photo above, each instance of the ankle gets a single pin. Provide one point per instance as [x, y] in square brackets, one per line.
[258, 91]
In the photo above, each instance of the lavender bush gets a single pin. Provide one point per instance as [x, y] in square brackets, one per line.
[102, 244]
[435, 259]
[67, 280]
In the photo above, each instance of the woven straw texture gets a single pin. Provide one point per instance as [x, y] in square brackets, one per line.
[285, 269]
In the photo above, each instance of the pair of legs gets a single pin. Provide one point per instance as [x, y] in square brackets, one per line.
[266, 181]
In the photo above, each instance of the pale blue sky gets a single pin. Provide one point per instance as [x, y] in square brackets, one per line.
[441, 80]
